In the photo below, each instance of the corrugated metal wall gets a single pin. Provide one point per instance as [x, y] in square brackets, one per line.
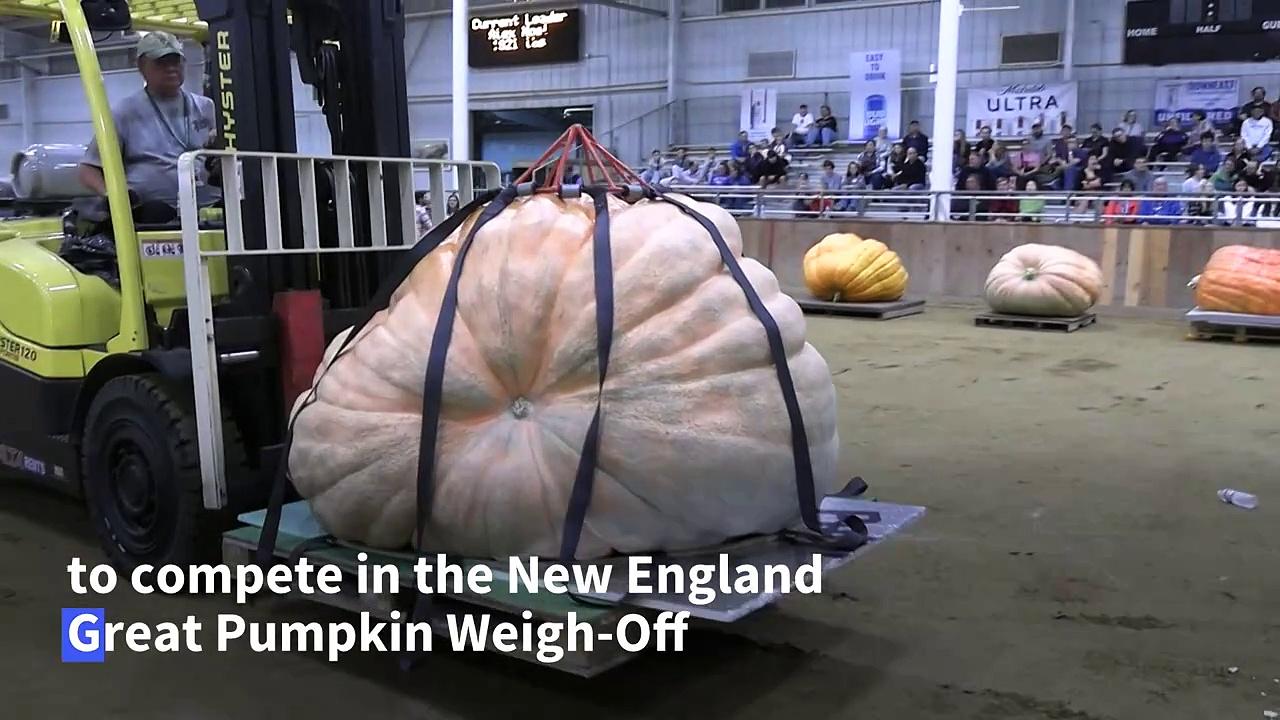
[714, 58]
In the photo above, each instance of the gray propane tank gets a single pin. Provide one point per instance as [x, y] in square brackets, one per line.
[49, 172]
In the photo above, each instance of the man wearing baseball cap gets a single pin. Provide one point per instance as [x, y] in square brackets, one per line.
[155, 125]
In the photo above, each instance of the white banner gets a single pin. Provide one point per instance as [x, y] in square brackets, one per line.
[759, 112]
[1217, 97]
[875, 94]
[1011, 110]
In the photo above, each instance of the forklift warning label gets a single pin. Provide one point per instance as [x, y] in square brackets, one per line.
[489, 606]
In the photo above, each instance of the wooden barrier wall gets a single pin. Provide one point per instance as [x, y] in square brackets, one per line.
[1143, 266]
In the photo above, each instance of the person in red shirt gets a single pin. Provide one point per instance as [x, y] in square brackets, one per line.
[1121, 209]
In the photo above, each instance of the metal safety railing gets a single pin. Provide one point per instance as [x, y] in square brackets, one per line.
[1228, 209]
[254, 179]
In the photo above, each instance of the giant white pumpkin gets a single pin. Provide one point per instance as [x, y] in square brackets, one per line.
[695, 442]
[1044, 280]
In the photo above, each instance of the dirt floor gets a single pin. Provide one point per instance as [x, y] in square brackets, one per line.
[1075, 563]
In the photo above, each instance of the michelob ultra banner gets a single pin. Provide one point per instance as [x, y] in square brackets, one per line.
[1011, 110]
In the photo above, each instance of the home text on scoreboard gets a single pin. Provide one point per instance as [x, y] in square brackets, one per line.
[525, 38]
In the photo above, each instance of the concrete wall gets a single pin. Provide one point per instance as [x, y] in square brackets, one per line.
[1144, 267]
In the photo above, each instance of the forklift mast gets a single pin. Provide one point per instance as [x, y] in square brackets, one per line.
[352, 53]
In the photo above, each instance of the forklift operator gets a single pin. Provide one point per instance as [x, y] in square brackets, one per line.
[155, 126]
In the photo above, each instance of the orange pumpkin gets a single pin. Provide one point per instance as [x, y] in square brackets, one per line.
[695, 443]
[1241, 279]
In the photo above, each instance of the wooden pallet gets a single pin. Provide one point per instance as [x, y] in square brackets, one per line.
[1031, 322]
[1241, 328]
[870, 311]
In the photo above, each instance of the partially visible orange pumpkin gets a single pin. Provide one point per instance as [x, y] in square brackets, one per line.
[1241, 279]
[845, 268]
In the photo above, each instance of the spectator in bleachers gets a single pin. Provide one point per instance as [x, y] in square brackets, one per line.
[741, 179]
[1275, 124]
[884, 146]
[1254, 174]
[1121, 155]
[1090, 181]
[1060, 149]
[854, 180]
[741, 148]
[690, 173]
[774, 169]
[1207, 154]
[1198, 184]
[653, 173]
[1123, 210]
[1256, 133]
[801, 123]
[1200, 124]
[883, 176]
[975, 168]
[868, 160]
[912, 173]
[985, 142]
[1259, 100]
[1141, 176]
[829, 181]
[1048, 174]
[1161, 210]
[1073, 166]
[1240, 207]
[778, 144]
[1131, 126]
[1224, 178]
[1096, 143]
[960, 148]
[806, 205]
[754, 167]
[1170, 143]
[721, 176]
[823, 131]
[999, 163]
[916, 140]
[1004, 209]
[1196, 180]
[970, 208]
[1032, 206]
[1037, 145]
[1239, 153]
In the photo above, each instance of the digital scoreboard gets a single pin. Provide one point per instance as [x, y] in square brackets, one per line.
[1164, 32]
[525, 38]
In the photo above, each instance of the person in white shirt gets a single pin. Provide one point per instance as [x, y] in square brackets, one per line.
[801, 123]
[1256, 133]
[1131, 126]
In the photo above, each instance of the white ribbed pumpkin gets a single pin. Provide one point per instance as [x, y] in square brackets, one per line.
[695, 442]
[1043, 280]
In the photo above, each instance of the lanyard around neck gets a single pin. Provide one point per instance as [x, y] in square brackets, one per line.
[186, 120]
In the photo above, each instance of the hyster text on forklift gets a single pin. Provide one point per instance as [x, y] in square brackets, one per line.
[96, 353]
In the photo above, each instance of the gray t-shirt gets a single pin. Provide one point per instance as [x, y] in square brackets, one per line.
[153, 133]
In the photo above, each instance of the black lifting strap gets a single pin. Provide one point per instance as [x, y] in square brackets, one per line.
[580, 495]
[433, 394]
[852, 532]
[408, 261]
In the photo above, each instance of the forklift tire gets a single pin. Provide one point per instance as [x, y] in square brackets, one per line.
[141, 471]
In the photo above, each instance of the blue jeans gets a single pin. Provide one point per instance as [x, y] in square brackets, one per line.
[820, 136]
[1264, 153]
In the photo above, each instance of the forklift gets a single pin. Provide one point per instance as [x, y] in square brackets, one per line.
[96, 368]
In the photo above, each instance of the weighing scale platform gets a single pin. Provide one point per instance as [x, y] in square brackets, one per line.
[602, 610]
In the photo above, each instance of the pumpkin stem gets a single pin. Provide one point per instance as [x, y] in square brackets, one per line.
[1029, 274]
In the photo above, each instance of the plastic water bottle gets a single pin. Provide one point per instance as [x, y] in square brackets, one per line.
[1238, 498]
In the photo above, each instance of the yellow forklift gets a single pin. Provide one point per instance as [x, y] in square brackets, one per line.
[96, 366]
